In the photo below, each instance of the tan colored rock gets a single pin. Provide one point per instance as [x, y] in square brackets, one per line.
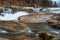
[35, 18]
[12, 26]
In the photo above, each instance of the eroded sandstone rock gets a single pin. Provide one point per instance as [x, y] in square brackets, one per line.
[35, 18]
[12, 26]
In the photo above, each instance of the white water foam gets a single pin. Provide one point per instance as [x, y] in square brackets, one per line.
[12, 16]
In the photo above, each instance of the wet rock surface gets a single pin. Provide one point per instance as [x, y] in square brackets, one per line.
[24, 21]
[37, 23]
[36, 18]
[10, 26]
[42, 36]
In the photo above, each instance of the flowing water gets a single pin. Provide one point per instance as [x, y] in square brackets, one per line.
[29, 30]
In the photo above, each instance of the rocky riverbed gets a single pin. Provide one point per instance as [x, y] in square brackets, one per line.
[34, 23]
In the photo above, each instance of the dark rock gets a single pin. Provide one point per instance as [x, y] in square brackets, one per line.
[46, 36]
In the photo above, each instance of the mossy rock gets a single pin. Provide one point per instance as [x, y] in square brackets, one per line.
[45, 36]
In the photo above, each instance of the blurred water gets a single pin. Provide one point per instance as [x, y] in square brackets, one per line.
[42, 27]
[15, 16]
[29, 30]
[49, 10]
[3, 31]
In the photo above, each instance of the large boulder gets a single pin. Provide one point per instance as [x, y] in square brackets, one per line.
[38, 18]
